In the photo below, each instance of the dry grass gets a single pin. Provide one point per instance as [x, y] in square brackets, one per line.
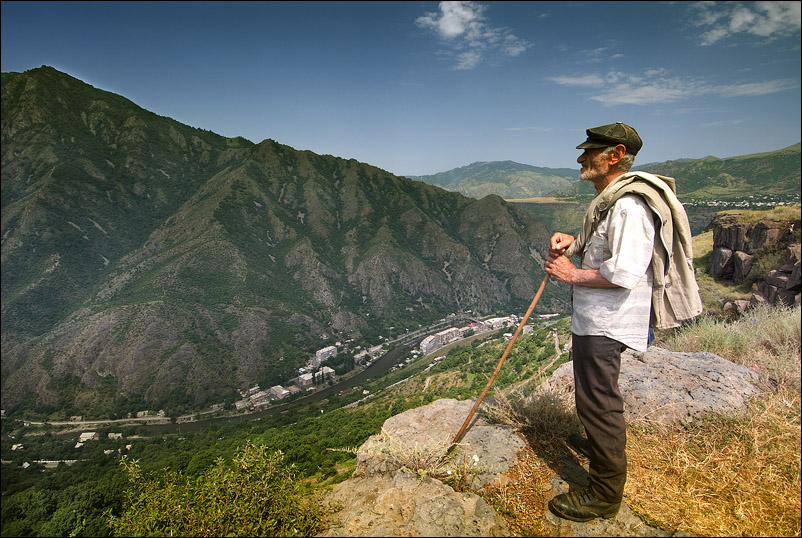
[766, 339]
[545, 423]
[729, 476]
[719, 476]
[722, 476]
[779, 213]
[435, 459]
[523, 500]
[428, 459]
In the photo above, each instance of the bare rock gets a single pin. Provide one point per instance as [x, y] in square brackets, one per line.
[748, 237]
[742, 266]
[419, 436]
[783, 285]
[664, 387]
[393, 492]
[767, 232]
[403, 503]
[729, 233]
[721, 263]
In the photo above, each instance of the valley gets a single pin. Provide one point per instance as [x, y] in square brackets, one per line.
[395, 354]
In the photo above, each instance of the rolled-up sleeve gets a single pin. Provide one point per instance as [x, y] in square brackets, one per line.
[630, 240]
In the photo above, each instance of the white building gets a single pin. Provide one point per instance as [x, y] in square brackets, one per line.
[306, 380]
[260, 398]
[278, 392]
[497, 323]
[325, 353]
[430, 343]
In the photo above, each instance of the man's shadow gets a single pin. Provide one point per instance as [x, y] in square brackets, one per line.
[548, 426]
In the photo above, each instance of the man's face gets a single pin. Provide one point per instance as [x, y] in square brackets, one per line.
[594, 165]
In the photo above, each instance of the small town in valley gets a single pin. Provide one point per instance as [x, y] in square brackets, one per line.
[315, 374]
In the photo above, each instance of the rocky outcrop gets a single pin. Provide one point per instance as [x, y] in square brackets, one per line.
[782, 285]
[736, 245]
[394, 492]
[736, 242]
[671, 388]
[402, 485]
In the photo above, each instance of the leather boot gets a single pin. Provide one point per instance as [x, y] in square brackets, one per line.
[582, 505]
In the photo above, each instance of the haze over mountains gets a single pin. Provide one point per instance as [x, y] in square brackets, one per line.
[149, 264]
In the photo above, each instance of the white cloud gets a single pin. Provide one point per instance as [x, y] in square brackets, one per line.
[767, 20]
[655, 86]
[456, 18]
[584, 80]
[513, 46]
[468, 36]
[721, 123]
[468, 60]
[756, 88]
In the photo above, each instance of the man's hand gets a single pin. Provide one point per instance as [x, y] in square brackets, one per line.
[560, 267]
[563, 270]
[559, 242]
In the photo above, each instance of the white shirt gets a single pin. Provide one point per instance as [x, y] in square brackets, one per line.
[621, 249]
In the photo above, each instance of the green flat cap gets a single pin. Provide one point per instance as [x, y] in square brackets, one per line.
[612, 135]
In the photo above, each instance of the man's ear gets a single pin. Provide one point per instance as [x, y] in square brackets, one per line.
[617, 154]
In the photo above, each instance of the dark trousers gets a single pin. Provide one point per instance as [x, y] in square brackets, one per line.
[597, 363]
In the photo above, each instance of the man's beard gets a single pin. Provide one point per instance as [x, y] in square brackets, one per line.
[589, 174]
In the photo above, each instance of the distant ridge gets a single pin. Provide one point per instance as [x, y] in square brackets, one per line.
[773, 174]
[507, 179]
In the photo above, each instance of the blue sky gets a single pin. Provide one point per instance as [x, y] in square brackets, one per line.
[423, 87]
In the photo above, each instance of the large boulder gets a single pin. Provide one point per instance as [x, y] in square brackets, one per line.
[670, 388]
[403, 503]
[394, 492]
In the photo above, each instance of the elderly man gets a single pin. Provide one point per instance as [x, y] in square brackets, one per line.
[636, 271]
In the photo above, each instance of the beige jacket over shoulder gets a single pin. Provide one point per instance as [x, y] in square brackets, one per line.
[675, 293]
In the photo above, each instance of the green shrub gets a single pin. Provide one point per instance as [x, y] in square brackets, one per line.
[257, 494]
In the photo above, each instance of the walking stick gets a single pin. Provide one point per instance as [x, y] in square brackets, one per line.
[501, 362]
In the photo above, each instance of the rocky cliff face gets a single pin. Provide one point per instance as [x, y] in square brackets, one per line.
[736, 246]
[782, 285]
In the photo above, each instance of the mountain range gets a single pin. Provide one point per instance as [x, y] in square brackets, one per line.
[149, 264]
[774, 174]
[507, 179]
